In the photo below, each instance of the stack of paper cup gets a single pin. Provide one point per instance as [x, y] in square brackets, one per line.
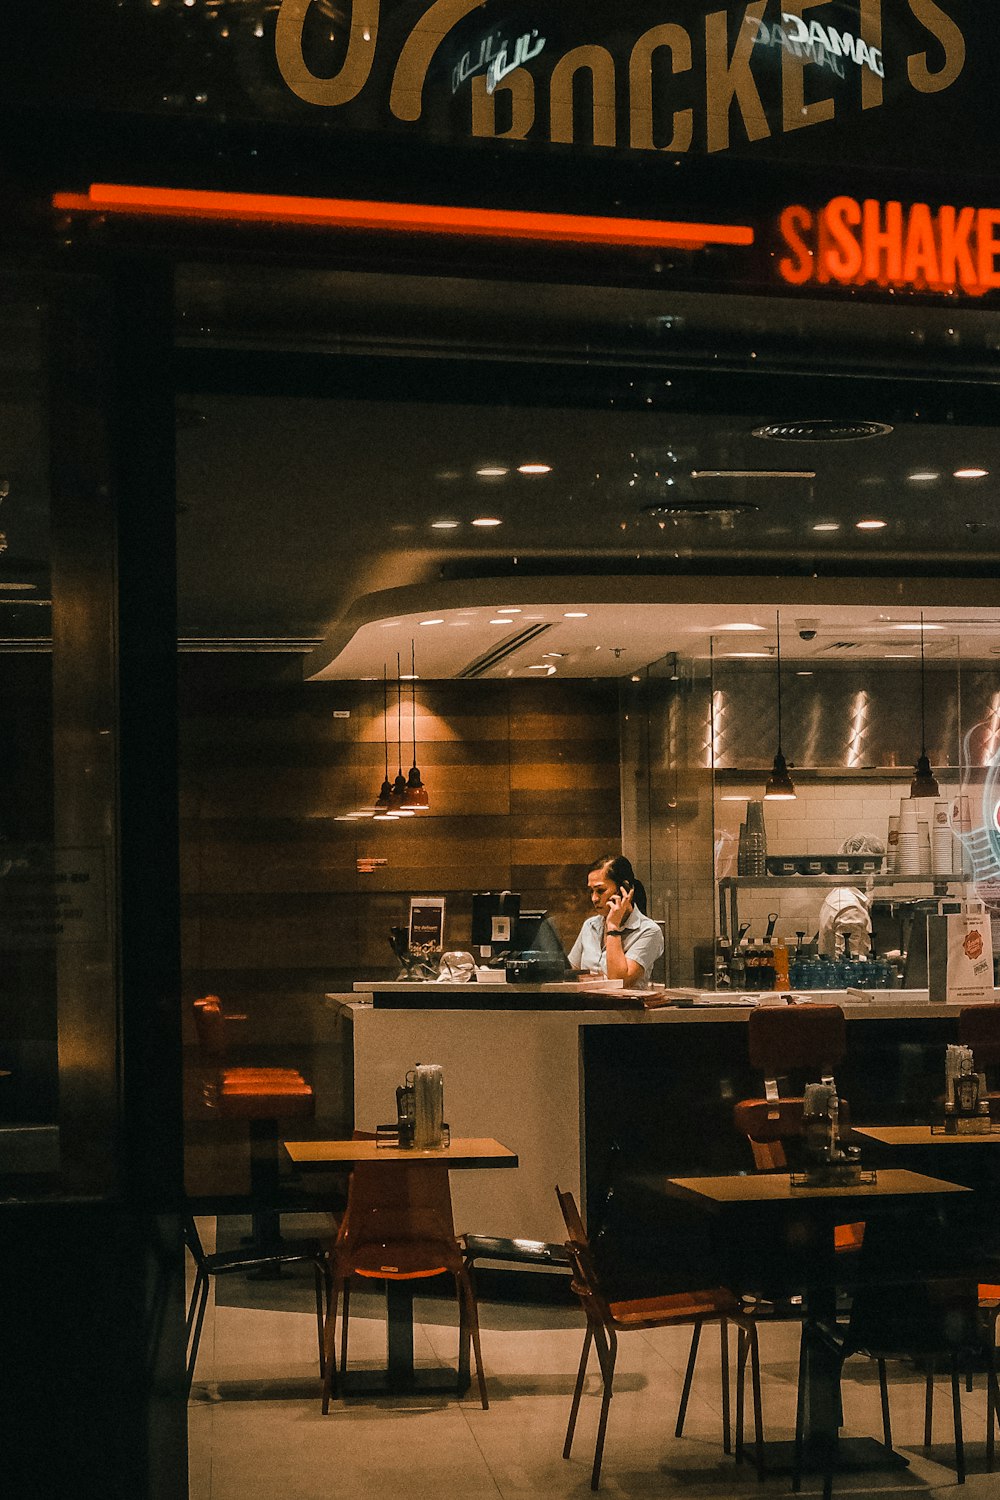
[924, 840]
[908, 855]
[941, 839]
[892, 845]
[961, 822]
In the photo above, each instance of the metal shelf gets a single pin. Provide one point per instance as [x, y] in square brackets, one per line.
[730, 885]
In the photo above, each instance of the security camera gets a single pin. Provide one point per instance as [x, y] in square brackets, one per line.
[807, 629]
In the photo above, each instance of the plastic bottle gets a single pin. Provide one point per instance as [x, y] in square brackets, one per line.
[782, 978]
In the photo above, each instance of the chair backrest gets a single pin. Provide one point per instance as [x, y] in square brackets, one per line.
[210, 1025]
[789, 1038]
[586, 1283]
[979, 1028]
[398, 1221]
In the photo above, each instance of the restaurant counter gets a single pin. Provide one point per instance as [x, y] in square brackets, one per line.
[589, 1094]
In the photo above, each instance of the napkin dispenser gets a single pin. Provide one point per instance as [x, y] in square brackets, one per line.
[420, 1108]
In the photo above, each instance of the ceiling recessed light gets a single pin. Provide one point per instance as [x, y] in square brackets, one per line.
[508, 609]
[432, 622]
[871, 524]
[900, 656]
[915, 625]
[445, 525]
[575, 614]
[827, 526]
[487, 521]
[740, 625]
[534, 468]
[508, 623]
[803, 674]
[492, 471]
[748, 655]
[408, 676]
[388, 624]
[557, 654]
[9, 586]
[924, 476]
[541, 666]
[971, 473]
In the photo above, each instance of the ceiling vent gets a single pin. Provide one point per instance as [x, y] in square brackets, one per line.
[843, 646]
[505, 649]
[825, 431]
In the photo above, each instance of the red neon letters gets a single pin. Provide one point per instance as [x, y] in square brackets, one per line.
[892, 245]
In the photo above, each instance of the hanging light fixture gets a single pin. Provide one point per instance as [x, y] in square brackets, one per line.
[416, 799]
[779, 784]
[398, 790]
[924, 783]
[383, 802]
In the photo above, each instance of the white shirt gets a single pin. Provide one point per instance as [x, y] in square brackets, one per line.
[845, 912]
[642, 942]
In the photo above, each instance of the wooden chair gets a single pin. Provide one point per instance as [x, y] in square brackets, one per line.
[605, 1320]
[979, 1028]
[267, 1098]
[927, 1320]
[246, 1258]
[783, 1040]
[398, 1226]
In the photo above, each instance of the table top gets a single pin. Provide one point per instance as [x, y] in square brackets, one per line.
[921, 1135]
[462, 1152]
[776, 1187]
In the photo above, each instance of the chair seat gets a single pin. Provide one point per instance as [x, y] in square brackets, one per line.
[250, 1257]
[265, 1094]
[519, 1252]
[676, 1307]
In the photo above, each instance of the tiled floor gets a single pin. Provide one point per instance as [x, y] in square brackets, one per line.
[256, 1432]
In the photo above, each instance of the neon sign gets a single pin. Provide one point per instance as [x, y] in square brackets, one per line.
[852, 243]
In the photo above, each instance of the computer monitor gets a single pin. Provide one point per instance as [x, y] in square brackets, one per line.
[536, 934]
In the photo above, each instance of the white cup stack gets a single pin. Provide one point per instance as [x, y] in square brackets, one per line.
[942, 840]
[892, 845]
[924, 844]
[961, 822]
[908, 850]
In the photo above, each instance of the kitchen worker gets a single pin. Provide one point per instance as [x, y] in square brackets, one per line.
[619, 940]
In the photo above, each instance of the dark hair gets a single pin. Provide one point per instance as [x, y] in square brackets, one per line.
[619, 870]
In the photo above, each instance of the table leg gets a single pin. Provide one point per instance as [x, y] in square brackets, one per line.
[264, 1179]
[399, 1335]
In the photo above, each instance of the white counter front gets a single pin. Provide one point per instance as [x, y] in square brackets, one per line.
[515, 1075]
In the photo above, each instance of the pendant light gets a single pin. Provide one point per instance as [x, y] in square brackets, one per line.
[383, 801]
[398, 790]
[416, 798]
[924, 783]
[779, 784]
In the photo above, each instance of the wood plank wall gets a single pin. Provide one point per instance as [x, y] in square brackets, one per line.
[524, 786]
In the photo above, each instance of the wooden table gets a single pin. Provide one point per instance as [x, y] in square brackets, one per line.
[764, 1195]
[921, 1135]
[400, 1376]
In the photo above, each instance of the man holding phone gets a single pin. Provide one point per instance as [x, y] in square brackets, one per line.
[620, 941]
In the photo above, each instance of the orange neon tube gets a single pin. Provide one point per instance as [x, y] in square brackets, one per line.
[413, 218]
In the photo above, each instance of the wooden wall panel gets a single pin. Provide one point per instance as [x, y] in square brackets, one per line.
[524, 784]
